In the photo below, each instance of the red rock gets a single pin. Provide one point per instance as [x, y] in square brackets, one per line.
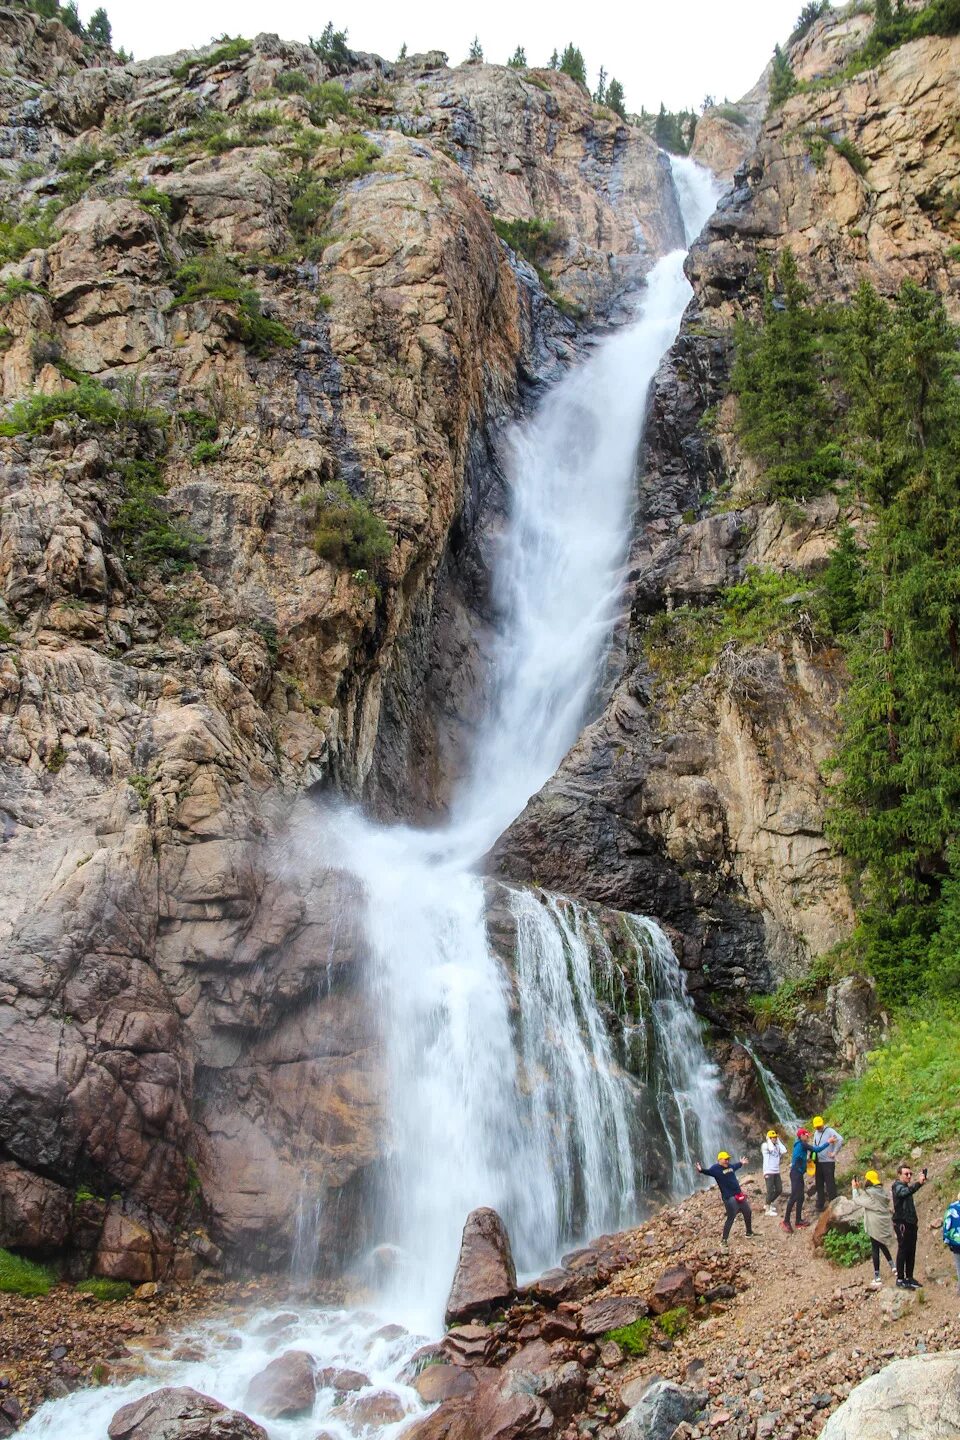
[560, 1327]
[444, 1382]
[487, 1414]
[369, 1412]
[674, 1287]
[168, 1413]
[35, 1213]
[610, 1313]
[485, 1275]
[285, 1388]
[331, 1378]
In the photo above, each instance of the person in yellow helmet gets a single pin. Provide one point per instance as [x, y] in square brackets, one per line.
[825, 1177]
[734, 1201]
[773, 1151]
[874, 1201]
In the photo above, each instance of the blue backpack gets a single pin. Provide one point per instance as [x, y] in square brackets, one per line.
[951, 1226]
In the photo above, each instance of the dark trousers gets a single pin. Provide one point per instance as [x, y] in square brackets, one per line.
[797, 1178]
[877, 1248]
[826, 1178]
[774, 1187]
[906, 1248]
[733, 1209]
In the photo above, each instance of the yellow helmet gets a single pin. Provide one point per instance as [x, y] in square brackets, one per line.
[871, 1177]
[771, 1134]
[818, 1122]
[723, 1155]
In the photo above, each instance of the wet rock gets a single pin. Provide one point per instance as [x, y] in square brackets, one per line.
[469, 1344]
[485, 1275]
[674, 1287]
[285, 1388]
[370, 1411]
[181, 1414]
[35, 1213]
[610, 1313]
[444, 1382]
[919, 1397]
[488, 1414]
[557, 1285]
[333, 1378]
[11, 1415]
[278, 1324]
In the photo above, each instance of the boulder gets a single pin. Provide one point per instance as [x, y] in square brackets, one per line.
[894, 1303]
[841, 1215]
[917, 1398]
[487, 1414]
[182, 1414]
[284, 1388]
[444, 1382]
[485, 1275]
[333, 1378]
[129, 1250]
[369, 1412]
[35, 1213]
[662, 1407]
[610, 1313]
[557, 1285]
[674, 1287]
[469, 1344]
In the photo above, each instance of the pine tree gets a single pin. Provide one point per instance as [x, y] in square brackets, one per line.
[403, 51]
[615, 99]
[783, 82]
[554, 61]
[882, 14]
[572, 64]
[476, 49]
[99, 29]
[71, 17]
[600, 94]
[518, 60]
[843, 582]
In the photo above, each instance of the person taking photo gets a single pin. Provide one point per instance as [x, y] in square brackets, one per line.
[905, 1224]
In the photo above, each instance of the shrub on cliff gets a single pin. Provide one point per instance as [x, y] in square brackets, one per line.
[347, 531]
[213, 277]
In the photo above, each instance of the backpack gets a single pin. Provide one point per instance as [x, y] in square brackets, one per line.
[951, 1227]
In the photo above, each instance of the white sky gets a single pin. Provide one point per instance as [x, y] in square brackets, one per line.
[671, 50]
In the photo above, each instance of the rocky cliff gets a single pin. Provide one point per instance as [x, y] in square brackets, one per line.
[259, 332]
[698, 793]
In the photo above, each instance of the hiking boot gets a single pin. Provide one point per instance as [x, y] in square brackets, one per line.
[750, 1236]
[912, 1284]
[803, 1224]
[785, 1225]
[876, 1283]
[904, 1285]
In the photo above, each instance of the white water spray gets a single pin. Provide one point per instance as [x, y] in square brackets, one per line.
[507, 1085]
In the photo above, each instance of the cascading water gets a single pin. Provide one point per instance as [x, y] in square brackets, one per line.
[781, 1107]
[507, 1085]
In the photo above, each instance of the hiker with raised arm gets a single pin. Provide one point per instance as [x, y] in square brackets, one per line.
[734, 1201]
[803, 1148]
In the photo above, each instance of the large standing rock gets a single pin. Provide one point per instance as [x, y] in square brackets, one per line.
[841, 1215]
[182, 1414]
[662, 1407]
[487, 1414]
[915, 1399]
[285, 1388]
[485, 1275]
[35, 1212]
[674, 1287]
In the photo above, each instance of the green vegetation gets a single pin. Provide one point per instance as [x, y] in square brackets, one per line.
[30, 227]
[891, 29]
[635, 1338]
[675, 129]
[572, 63]
[205, 450]
[731, 114]
[6, 634]
[150, 124]
[291, 82]
[614, 99]
[22, 1277]
[154, 201]
[535, 240]
[807, 18]
[124, 408]
[847, 1250]
[782, 1007]
[78, 167]
[213, 277]
[817, 142]
[910, 1092]
[98, 28]
[674, 1322]
[476, 49]
[347, 531]
[783, 82]
[102, 1289]
[14, 286]
[145, 535]
[228, 52]
[518, 60]
[141, 785]
[331, 47]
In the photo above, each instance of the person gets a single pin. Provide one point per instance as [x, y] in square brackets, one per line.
[826, 1172]
[877, 1220]
[905, 1224]
[951, 1235]
[802, 1147]
[734, 1201]
[773, 1151]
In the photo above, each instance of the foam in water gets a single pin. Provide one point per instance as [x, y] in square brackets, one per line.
[507, 1085]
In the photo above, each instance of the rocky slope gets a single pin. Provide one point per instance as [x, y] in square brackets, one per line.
[700, 798]
[291, 287]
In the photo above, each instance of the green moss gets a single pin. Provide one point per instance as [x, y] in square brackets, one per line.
[635, 1338]
[227, 53]
[142, 530]
[347, 531]
[102, 1289]
[30, 227]
[23, 1277]
[154, 201]
[674, 1322]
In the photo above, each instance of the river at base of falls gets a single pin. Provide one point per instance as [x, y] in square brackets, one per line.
[568, 1087]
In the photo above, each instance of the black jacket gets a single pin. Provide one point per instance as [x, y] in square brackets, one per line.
[904, 1209]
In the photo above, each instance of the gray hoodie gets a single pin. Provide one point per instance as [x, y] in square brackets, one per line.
[834, 1143]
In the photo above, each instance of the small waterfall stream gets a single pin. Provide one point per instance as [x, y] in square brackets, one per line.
[564, 1081]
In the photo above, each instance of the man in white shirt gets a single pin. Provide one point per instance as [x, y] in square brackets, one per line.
[773, 1151]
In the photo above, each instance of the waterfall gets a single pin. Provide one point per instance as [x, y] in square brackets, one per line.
[565, 1080]
[776, 1097]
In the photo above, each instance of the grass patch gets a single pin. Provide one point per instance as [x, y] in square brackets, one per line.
[23, 1277]
[674, 1322]
[731, 114]
[783, 1006]
[205, 450]
[535, 240]
[29, 228]
[143, 531]
[909, 1093]
[227, 53]
[102, 1289]
[122, 408]
[847, 1250]
[14, 286]
[78, 168]
[347, 531]
[214, 277]
[154, 201]
[635, 1338]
